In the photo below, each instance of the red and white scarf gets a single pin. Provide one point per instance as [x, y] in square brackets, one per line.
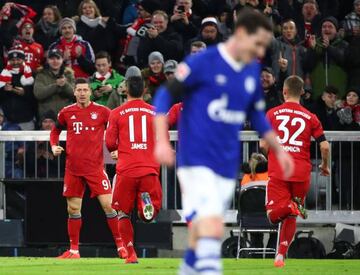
[7, 74]
[102, 78]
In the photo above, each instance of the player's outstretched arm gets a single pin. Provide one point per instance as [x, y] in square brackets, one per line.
[54, 140]
[325, 152]
[111, 134]
[164, 153]
[285, 160]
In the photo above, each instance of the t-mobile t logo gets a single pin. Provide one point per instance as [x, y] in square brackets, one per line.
[77, 127]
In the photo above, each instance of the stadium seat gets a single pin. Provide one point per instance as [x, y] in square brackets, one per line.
[252, 218]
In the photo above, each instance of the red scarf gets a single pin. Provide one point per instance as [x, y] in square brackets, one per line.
[24, 70]
[355, 111]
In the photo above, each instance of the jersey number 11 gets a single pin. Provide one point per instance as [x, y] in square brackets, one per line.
[132, 129]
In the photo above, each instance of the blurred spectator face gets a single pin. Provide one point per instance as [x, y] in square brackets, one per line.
[309, 11]
[16, 62]
[27, 31]
[55, 63]
[47, 124]
[82, 93]
[48, 15]
[159, 22]
[67, 31]
[352, 98]
[143, 13]
[195, 50]
[289, 30]
[209, 33]
[267, 80]
[88, 10]
[357, 8]
[156, 66]
[169, 75]
[329, 99]
[102, 65]
[186, 3]
[328, 29]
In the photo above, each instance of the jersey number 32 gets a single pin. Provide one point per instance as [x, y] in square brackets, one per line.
[283, 127]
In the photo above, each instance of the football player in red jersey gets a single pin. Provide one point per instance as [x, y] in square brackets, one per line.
[130, 132]
[85, 122]
[295, 126]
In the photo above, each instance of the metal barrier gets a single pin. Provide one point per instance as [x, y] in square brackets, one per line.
[27, 154]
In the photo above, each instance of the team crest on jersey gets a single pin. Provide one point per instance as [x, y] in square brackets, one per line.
[94, 115]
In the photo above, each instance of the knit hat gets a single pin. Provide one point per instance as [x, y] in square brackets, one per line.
[170, 66]
[156, 56]
[24, 22]
[16, 52]
[132, 71]
[67, 20]
[353, 89]
[209, 21]
[150, 5]
[332, 20]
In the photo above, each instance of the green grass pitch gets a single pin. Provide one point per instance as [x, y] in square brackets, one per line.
[38, 266]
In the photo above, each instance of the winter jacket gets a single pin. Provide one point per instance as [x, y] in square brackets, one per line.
[95, 83]
[51, 96]
[352, 62]
[152, 82]
[326, 66]
[169, 43]
[293, 51]
[82, 66]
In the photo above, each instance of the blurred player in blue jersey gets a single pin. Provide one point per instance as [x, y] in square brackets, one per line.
[220, 89]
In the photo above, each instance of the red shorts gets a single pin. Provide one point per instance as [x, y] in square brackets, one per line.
[127, 191]
[74, 186]
[280, 192]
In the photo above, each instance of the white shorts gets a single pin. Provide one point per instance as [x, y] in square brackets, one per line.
[204, 193]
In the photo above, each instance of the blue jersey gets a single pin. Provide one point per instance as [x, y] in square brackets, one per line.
[220, 94]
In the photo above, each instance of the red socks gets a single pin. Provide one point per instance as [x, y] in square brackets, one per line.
[126, 231]
[287, 232]
[74, 226]
[279, 214]
[113, 224]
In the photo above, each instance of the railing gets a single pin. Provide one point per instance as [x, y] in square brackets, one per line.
[27, 154]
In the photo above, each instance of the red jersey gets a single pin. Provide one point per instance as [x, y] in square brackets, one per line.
[85, 137]
[294, 126]
[130, 131]
[174, 114]
[34, 54]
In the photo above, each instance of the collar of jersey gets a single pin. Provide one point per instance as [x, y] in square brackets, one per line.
[235, 65]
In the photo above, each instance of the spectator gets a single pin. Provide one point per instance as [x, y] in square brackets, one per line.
[352, 61]
[77, 53]
[223, 18]
[309, 24]
[287, 52]
[16, 95]
[160, 37]
[47, 166]
[47, 29]
[170, 69]
[130, 12]
[352, 22]
[349, 116]
[209, 32]
[101, 32]
[197, 46]
[184, 21]
[325, 58]
[272, 94]
[105, 80]
[34, 52]
[118, 97]
[54, 84]
[325, 108]
[153, 75]
[138, 30]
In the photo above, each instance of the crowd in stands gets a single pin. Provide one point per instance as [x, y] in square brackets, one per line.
[46, 45]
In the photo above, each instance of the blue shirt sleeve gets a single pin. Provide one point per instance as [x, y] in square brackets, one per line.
[257, 115]
[186, 76]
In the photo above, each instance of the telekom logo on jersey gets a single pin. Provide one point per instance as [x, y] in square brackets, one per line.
[78, 127]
